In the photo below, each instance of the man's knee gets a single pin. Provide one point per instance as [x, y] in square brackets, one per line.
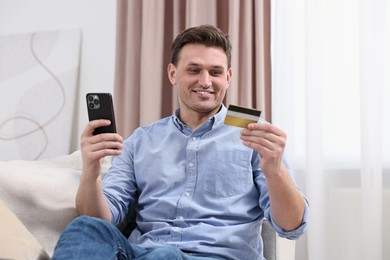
[86, 220]
[90, 225]
[89, 236]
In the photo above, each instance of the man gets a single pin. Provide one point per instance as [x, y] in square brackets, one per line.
[202, 188]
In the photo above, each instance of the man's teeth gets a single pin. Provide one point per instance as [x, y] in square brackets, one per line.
[202, 92]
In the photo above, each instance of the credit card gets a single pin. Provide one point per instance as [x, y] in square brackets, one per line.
[241, 116]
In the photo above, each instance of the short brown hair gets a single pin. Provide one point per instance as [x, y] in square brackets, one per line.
[207, 35]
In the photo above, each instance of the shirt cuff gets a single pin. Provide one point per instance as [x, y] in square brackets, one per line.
[296, 233]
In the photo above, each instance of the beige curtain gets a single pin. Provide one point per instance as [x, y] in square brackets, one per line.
[145, 31]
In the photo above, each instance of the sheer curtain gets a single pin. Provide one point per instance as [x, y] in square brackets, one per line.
[145, 32]
[331, 92]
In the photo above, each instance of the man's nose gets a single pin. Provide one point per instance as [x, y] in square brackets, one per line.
[205, 79]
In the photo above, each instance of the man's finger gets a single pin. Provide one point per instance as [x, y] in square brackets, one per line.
[92, 125]
[266, 128]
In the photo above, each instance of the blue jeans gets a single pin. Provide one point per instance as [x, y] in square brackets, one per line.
[93, 238]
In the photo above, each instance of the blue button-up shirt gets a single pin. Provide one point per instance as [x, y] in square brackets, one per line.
[200, 191]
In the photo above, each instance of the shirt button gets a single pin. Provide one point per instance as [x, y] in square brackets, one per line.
[176, 229]
[194, 138]
[180, 218]
[191, 165]
[187, 194]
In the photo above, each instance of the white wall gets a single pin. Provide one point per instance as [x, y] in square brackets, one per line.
[97, 19]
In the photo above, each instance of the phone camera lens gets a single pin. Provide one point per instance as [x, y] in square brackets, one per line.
[96, 102]
[91, 105]
[90, 98]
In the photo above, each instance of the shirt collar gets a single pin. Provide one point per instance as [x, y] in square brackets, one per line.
[213, 121]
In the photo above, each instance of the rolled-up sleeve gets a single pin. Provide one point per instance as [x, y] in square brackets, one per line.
[296, 233]
[119, 185]
[264, 202]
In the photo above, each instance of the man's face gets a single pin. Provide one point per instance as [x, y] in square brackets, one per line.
[201, 77]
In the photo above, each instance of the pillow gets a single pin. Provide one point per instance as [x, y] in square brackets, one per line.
[15, 240]
[42, 194]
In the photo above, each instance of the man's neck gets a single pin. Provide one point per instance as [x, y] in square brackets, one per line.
[195, 119]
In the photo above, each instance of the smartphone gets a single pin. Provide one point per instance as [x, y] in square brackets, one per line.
[100, 106]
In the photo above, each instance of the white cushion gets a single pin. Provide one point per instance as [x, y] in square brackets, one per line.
[42, 194]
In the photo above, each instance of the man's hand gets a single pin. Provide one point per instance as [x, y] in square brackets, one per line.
[96, 147]
[269, 141]
[90, 199]
[287, 203]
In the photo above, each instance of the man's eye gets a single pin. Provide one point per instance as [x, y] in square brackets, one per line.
[194, 71]
[216, 73]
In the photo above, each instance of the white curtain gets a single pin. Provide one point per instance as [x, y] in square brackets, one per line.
[331, 94]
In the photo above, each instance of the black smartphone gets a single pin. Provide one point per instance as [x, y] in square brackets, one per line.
[100, 106]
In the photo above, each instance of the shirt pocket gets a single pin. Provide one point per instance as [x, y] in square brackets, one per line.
[228, 173]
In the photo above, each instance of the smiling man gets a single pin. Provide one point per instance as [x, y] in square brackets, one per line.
[200, 188]
[201, 77]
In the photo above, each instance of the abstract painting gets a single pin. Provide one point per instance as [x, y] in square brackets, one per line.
[39, 74]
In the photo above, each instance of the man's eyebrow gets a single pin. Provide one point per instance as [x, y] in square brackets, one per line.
[218, 67]
[194, 64]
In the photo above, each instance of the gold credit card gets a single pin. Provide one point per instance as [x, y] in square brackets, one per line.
[241, 116]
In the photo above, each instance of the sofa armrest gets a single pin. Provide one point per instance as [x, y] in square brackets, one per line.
[275, 247]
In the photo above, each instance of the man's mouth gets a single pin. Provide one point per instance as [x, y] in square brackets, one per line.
[203, 92]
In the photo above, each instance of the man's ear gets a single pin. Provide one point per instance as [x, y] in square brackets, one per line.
[229, 75]
[171, 73]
